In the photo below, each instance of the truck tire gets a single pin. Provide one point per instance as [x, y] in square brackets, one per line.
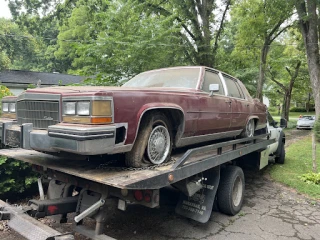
[281, 152]
[249, 129]
[153, 144]
[231, 190]
[282, 155]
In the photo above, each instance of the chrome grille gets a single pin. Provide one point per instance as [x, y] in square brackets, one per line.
[40, 113]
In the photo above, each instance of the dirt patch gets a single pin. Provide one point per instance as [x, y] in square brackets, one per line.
[294, 135]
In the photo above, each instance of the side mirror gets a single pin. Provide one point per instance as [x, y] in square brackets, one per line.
[213, 88]
[283, 123]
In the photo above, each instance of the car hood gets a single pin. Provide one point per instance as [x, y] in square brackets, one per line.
[303, 121]
[97, 90]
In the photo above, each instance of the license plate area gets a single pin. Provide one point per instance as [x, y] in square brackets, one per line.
[13, 137]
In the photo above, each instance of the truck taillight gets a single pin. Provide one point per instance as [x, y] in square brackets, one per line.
[147, 196]
[138, 195]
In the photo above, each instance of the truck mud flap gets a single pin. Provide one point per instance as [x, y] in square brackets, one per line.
[199, 206]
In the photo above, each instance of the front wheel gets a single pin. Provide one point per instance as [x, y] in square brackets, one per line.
[153, 144]
[231, 190]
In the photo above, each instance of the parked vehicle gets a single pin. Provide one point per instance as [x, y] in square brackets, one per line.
[145, 118]
[203, 175]
[306, 122]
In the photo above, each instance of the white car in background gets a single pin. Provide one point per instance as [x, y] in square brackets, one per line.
[306, 122]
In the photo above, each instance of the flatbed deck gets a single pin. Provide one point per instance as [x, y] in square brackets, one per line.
[184, 164]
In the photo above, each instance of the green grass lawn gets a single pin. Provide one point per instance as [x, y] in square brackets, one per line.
[298, 161]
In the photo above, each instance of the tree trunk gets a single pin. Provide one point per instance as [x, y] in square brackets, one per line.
[284, 106]
[308, 19]
[262, 70]
[287, 103]
[314, 156]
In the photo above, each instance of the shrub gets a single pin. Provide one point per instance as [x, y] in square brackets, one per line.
[15, 178]
[297, 109]
[273, 109]
[311, 178]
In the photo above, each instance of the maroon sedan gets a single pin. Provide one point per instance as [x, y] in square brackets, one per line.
[145, 118]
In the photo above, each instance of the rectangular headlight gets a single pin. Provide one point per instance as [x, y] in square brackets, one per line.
[101, 108]
[5, 107]
[12, 107]
[69, 108]
[83, 108]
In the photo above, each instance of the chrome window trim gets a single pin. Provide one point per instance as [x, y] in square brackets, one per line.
[226, 91]
[222, 83]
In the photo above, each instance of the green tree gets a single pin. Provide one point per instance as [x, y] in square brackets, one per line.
[259, 24]
[16, 46]
[201, 23]
[117, 41]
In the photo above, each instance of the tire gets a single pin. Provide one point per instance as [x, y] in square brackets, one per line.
[249, 129]
[153, 144]
[231, 190]
[282, 155]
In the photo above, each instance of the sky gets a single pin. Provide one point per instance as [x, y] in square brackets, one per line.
[4, 9]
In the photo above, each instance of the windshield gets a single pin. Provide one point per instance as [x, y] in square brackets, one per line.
[308, 118]
[174, 77]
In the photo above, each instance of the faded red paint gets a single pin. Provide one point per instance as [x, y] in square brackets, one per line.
[202, 114]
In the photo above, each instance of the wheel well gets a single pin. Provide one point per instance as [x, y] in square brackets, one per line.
[256, 120]
[176, 118]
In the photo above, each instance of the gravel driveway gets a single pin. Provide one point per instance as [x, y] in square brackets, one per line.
[270, 211]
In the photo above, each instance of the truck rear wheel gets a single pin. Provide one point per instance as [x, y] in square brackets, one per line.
[153, 144]
[231, 190]
[282, 155]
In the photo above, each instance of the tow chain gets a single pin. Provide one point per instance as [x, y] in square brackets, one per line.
[107, 167]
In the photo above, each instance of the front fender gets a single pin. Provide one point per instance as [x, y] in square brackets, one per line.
[154, 106]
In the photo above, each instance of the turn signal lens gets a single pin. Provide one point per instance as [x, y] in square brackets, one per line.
[101, 120]
[101, 108]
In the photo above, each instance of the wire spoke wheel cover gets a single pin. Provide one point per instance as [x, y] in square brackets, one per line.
[158, 146]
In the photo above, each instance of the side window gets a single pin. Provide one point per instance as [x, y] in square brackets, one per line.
[233, 88]
[212, 78]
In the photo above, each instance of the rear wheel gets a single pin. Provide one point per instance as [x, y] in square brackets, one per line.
[282, 155]
[231, 190]
[153, 144]
[249, 129]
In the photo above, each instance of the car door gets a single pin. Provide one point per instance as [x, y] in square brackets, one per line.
[215, 110]
[240, 107]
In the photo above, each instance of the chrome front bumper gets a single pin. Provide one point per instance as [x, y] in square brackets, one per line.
[83, 140]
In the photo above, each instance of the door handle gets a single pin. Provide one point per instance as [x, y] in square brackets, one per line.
[228, 102]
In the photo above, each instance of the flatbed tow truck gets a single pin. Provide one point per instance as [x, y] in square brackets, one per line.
[203, 175]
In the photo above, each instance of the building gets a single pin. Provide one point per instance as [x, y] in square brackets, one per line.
[18, 80]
